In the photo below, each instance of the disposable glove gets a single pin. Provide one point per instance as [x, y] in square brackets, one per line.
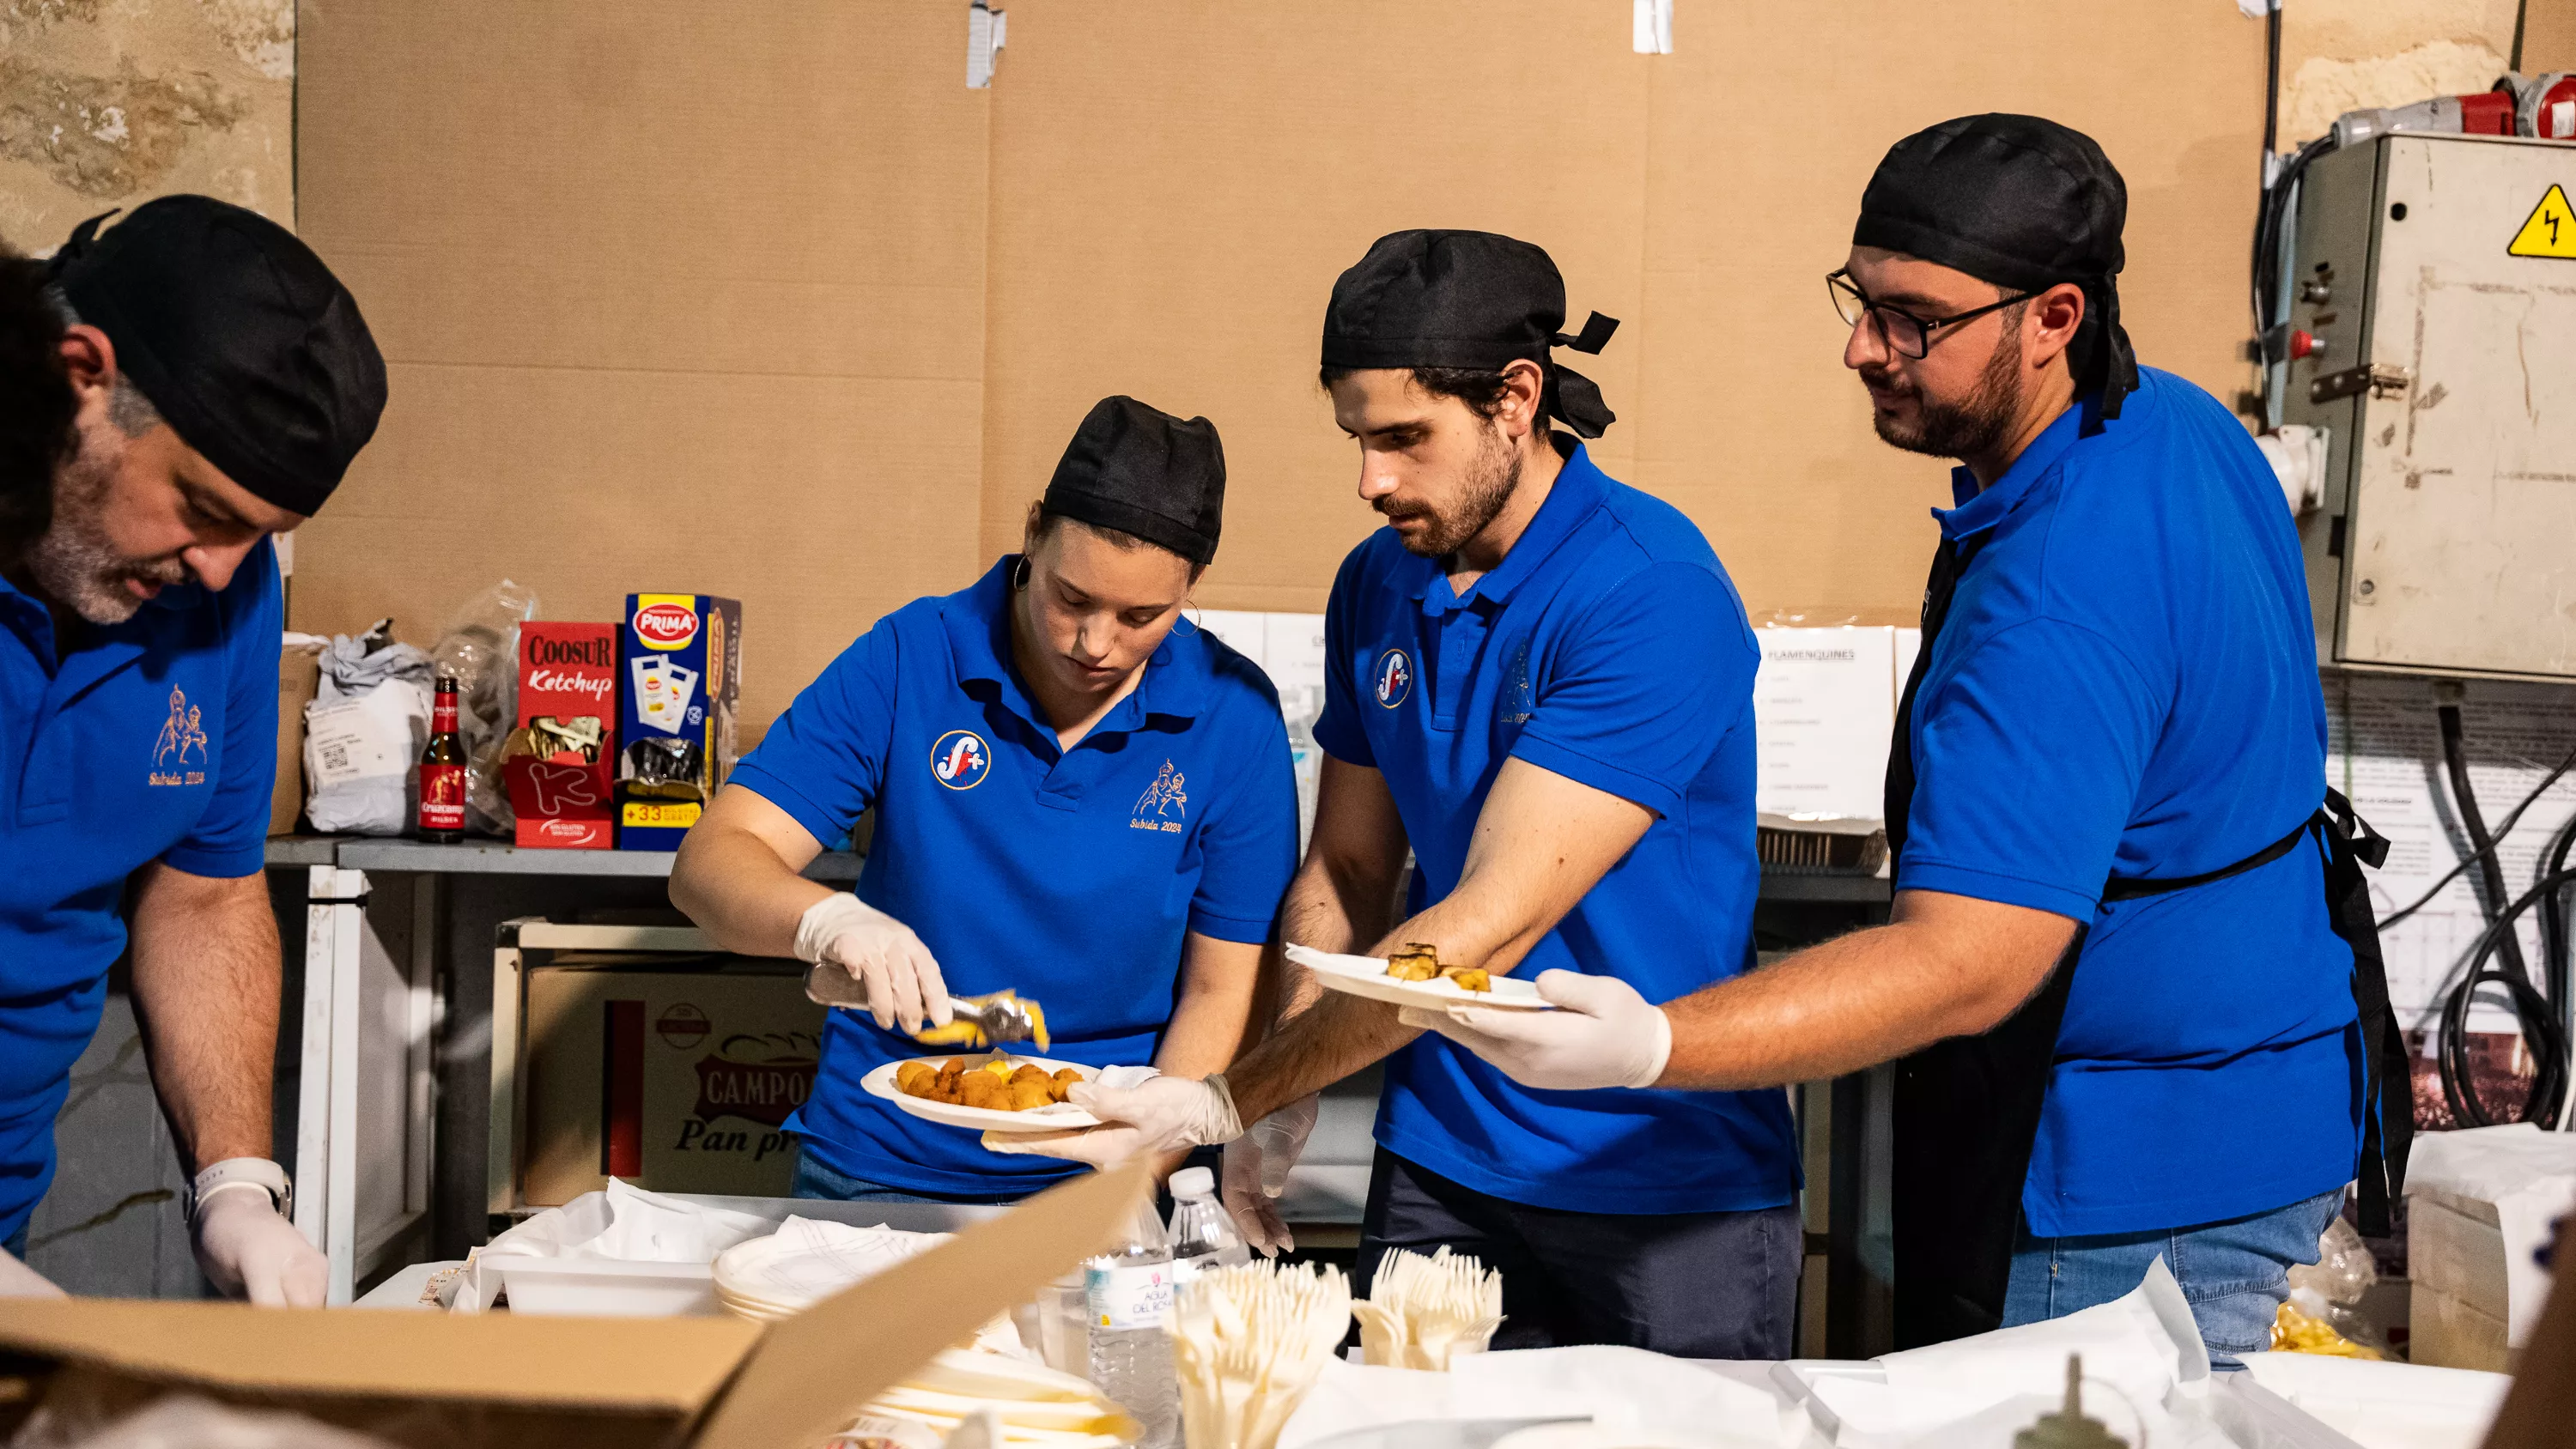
[248, 1251]
[17, 1280]
[1603, 1034]
[1256, 1173]
[898, 973]
[1159, 1114]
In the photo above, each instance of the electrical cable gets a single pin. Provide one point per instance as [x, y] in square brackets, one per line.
[2521, 13]
[2540, 1010]
[2455, 762]
[2502, 830]
[2272, 79]
[2538, 1021]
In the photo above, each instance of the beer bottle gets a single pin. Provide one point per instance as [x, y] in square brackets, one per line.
[442, 770]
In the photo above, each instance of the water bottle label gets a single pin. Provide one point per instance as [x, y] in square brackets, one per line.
[1128, 1297]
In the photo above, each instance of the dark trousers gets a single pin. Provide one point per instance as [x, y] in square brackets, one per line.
[1693, 1285]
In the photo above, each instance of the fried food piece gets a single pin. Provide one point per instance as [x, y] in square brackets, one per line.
[1416, 962]
[916, 1079]
[1029, 1071]
[983, 1089]
[1469, 978]
[1027, 1093]
[1062, 1083]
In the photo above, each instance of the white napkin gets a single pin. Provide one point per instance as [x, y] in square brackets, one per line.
[2145, 1344]
[623, 1222]
[2386, 1405]
[1634, 1398]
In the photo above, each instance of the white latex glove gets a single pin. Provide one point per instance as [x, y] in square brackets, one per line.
[1256, 1173]
[17, 1280]
[248, 1251]
[882, 954]
[1159, 1114]
[1603, 1035]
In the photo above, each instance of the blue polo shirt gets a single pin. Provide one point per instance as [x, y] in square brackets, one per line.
[1069, 876]
[154, 739]
[2127, 684]
[1608, 647]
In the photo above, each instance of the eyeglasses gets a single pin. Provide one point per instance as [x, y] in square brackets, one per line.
[1904, 333]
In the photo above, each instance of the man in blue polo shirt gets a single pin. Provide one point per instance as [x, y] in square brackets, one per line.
[1079, 796]
[1541, 681]
[2131, 972]
[220, 379]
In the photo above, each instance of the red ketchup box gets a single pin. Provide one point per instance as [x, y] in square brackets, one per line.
[561, 761]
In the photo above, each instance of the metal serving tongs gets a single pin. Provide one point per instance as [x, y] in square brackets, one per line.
[1001, 1019]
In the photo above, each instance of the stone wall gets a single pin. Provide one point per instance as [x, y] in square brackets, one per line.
[2338, 56]
[106, 103]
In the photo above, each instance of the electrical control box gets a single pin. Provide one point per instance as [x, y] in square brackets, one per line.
[2434, 278]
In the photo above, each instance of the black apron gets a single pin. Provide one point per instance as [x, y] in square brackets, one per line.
[1966, 1110]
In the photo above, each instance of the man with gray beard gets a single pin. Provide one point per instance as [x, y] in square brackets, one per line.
[180, 387]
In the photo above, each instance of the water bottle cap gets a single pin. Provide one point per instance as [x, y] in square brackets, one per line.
[1193, 1182]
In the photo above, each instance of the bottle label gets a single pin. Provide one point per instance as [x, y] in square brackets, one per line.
[442, 715]
[1128, 1296]
[442, 797]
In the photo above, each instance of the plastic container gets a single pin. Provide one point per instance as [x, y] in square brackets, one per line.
[1202, 1232]
[598, 1287]
[1127, 1296]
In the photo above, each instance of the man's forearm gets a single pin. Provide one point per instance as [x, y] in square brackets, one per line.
[206, 984]
[1855, 1002]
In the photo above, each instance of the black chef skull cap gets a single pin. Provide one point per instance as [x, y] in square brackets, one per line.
[1141, 471]
[238, 334]
[1465, 299]
[2021, 202]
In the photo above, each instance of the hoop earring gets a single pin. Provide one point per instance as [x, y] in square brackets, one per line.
[1020, 575]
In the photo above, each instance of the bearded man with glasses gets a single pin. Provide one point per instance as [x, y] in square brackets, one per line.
[2131, 980]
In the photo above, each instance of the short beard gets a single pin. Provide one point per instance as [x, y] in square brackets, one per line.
[73, 563]
[1491, 476]
[1975, 425]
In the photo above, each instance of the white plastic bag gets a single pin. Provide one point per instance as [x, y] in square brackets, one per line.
[363, 734]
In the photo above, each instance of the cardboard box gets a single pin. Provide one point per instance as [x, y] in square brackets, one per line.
[470, 1381]
[679, 675]
[675, 1078]
[299, 675]
[561, 796]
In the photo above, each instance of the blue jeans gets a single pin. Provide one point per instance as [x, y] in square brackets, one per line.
[2235, 1274]
[815, 1180]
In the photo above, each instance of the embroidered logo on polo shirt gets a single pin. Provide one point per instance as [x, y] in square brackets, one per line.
[181, 743]
[1394, 677]
[1164, 805]
[960, 760]
[1518, 704]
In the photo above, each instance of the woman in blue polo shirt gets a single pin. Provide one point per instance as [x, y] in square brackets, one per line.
[1079, 796]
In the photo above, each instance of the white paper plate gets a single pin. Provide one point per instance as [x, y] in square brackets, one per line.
[1054, 1117]
[1366, 976]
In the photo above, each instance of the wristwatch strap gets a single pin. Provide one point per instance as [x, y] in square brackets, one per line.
[244, 1171]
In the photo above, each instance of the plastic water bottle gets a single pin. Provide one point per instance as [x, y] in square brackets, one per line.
[1126, 1295]
[1203, 1234]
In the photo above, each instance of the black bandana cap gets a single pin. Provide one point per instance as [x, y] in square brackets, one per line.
[1465, 299]
[2021, 202]
[238, 334]
[1141, 471]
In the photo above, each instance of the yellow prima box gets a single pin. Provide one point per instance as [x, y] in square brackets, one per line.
[675, 1078]
[470, 1381]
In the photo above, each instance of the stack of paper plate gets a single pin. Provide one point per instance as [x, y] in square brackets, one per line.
[1039, 1408]
[805, 1262]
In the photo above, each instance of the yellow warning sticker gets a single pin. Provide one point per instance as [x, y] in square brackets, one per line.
[2551, 231]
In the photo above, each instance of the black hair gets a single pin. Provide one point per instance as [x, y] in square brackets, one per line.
[36, 425]
[1481, 389]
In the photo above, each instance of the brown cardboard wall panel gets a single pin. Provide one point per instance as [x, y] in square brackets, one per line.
[673, 297]
[1176, 184]
[765, 302]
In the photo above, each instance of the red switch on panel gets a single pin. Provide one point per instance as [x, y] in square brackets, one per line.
[2302, 344]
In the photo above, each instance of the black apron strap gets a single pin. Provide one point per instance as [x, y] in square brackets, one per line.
[2388, 1083]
